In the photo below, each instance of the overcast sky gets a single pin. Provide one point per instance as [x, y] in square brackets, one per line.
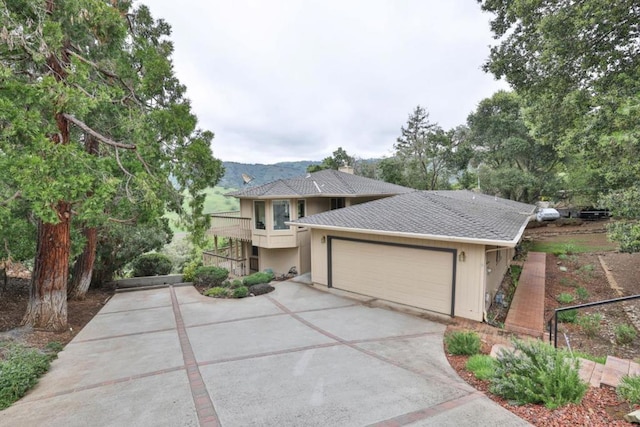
[282, 80]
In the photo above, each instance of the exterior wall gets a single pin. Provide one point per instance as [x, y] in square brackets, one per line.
[498, 262]
[470, 280]
[246, 208]
[279, 260]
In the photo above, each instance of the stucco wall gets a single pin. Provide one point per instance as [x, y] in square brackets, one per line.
[278, 260]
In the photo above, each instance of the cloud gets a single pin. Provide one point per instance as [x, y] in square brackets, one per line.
[293, 80]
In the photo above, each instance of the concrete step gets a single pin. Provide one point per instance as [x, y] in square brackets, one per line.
[148, 287]
[616, 368]
[591, 372]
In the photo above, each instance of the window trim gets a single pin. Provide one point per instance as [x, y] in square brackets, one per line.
[255, 215]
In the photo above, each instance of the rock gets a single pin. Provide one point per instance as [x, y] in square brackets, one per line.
[633, 417]
[563, 268]
[262, 288]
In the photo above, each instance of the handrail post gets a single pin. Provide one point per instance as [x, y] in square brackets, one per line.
[555, 329]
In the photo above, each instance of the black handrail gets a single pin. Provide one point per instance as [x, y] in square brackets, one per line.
[579, 306]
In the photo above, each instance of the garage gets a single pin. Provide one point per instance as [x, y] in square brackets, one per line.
[417, 276]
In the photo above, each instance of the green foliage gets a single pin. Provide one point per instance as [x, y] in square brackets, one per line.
[590, 324]
[20, 368]
[240, 292]
[481, 365]
[210, 276]
[537, 373]
[567, 281]
[236, 283]
[339, 158]
[257, 278]
[514, 271]
[217, 292]
[625, 334]
[568, 316]
[151, 265]
[629, 389]
[626, 234]
[462, 343]
[565, 298]
[582, 293]
[598, 359]
[189, 270]
[54, 347]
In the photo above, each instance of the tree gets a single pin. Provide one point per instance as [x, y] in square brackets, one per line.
[427, 152]
[72, 71]
[577, 65]
[515, 164]
[339, 158]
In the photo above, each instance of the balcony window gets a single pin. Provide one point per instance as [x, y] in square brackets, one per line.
[280, 214]
[259, 215]
[301, 209]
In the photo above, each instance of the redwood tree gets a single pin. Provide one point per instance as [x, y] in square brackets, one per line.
[77, 71]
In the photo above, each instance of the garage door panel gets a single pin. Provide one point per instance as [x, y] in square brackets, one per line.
[418, 277]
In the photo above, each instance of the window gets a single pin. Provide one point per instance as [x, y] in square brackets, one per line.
[280, 214]
[254, 251]
[259, 214]
[337, 203]
[301, 209]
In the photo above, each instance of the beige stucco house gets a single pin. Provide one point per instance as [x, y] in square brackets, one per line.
[442, 251]
[260, 237]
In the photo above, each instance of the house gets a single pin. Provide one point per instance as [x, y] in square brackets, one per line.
[259, 236]
[442, 251]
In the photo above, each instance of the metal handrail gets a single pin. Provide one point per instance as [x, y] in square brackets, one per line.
[577, 307]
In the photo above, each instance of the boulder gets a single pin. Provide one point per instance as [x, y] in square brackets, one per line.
[261, 288]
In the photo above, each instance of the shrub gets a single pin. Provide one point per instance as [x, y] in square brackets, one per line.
[236, 283]
[625, 334]
[569, 248]
[629, 389]
[210, 276]
[257, 278]
[515, 271]
[462, 343]
[565, 298]
[217, 292]
[481, 365]
[565, 281]
[535, 372]
[582, 293]
[189, 270]
[567, 316]
[240, 292]
[19, 371]
[590, 324]
[261, 288]
[54, 347]
[151, 265]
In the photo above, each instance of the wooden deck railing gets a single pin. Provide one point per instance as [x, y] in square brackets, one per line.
[230, 225]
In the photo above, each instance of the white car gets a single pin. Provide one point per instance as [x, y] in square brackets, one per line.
[547, 214]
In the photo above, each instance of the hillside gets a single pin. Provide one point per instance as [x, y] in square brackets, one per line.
[261, 173]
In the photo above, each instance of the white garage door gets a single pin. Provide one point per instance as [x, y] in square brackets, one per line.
[418, 277]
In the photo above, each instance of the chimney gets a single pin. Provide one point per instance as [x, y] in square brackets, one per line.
[346, 169]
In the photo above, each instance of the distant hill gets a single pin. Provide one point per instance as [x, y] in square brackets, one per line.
[261, 174]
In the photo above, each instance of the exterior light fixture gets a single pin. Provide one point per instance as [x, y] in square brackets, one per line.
[462, 256]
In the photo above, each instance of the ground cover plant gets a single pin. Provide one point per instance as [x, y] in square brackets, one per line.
[462, 343]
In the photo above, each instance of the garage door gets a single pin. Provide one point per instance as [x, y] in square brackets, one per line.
[415, 276]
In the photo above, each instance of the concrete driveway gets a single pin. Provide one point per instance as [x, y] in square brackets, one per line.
[294, 357]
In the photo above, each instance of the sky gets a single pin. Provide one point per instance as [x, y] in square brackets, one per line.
[287, 80]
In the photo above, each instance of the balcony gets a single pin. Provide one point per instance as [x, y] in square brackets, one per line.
[230, 225]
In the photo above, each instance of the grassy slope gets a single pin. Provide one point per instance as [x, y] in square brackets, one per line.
[214, 202]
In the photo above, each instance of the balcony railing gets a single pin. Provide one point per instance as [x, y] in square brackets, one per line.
[230, 225]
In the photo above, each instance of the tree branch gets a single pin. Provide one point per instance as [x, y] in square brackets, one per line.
[10, 199]
[97, 135]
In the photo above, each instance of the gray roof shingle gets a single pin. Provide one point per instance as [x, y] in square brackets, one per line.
[453, 214]
[325, 183]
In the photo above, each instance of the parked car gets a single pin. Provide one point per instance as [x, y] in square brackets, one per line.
[547, 214]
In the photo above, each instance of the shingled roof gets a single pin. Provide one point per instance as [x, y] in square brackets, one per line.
[325, 183]
[438, 215]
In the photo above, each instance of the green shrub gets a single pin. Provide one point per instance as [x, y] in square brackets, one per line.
[257, 278]
[569, 248]
[629, 389]
[19, 371]
[54, 347]
[481, 365]
[217, 292]
[598, 359]
[210, 276]
[236, 283]
[515, 271]
[190, 268]
[582, 293]
[565, 298]
[568, 316]
[537, 373]
[151, 265]
[565, 281]
[240, 292]
[625, 334]
[590, 324]
[462, 343]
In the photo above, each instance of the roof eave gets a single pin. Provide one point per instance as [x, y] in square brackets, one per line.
[504, 243]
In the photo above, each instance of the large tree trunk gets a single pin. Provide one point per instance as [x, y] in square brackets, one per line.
[83, 268]
[47, 308]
